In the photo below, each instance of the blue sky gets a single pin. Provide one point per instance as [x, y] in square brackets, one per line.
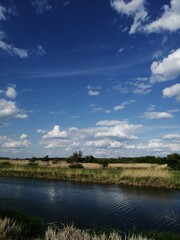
[97, 76]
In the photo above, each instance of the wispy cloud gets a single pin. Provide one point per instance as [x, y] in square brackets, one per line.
[135, 9]
[123, 105]
[138, 10]
[41, 5]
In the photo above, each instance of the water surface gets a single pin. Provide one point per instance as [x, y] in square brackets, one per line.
[88, 205]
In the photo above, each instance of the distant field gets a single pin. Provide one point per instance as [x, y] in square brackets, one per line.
[138, 165]
[64, 164]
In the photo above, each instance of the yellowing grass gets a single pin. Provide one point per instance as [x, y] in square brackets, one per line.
[144, 173]
[137, 165]
[147, 177]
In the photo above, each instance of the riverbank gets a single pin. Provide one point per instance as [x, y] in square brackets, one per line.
[137, 177]
[19, 230]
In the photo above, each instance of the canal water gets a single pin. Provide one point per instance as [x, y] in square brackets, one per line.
[93, 205]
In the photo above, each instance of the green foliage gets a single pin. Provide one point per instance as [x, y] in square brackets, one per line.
[46, 158]
[5, 163]
[75, 157]
[55, 160]
[76, 165]
[173, 161]
[104, 163]
[89, 159]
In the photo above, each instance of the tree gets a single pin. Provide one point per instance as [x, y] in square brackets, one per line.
[174, 161]
[76, 157]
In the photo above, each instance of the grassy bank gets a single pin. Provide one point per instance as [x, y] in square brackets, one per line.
[137, 177]
[13, 229]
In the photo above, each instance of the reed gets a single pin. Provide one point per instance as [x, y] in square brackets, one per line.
[139, 177]
[148, 177]
[10, 229]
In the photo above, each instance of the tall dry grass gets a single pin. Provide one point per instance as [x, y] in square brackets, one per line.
[72, 233]
[11, 230]
[147, 177]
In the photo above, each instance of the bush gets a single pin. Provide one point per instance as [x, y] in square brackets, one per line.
[174, 161]
[76, 165]
[5, 163]
[33, 164]
[76, 157]
[55, 160]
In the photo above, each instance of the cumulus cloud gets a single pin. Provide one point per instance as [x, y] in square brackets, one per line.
[135, 9]
[122, 130]
[157, 115]
[173, 91]
[170, 19]
[9, 109]
[55, 133]
[24, 136]
[16, 144]
[93, 91]
[167, 69]
[11, 92]
[106, 134]
[12, 144]
[172, 136]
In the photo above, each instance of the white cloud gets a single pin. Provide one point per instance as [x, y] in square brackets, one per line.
[16, 144]
[24, 136]
[9, 109]
[119, 107]
[11, 92]
[94, 109]
[105, 135]
[170, 19]
[41, 6]
[133, 8]
[12, 144]
[93, 93]
[13, 51]
[173, 136]
[123, 131]
[167, 69]
[41, 131]
[55, 133]
[173, 91]
[3, 11]
[124, 104]
[140, 86]
[157, 115]
[109, 123]
[40, 51]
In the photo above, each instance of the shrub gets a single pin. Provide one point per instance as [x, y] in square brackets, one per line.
[33, 164]
[5, 163]
[76, 157]
[76, 165]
